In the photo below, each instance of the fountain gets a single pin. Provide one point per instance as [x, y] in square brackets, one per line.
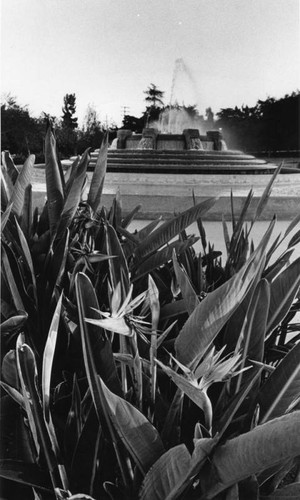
[175, 143]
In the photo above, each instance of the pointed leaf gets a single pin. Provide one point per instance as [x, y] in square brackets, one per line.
[188, 293]
[97, 182]
[148, 229]
[281, 387]
[11, 282]
[162, 256]
[27, 257]
[54, 184]
[266, 194]
[26, 219]
[74, 195]
[171, 228]
[48, 357]
[23, 180]
[11, 168]
[212, 313]
[129, 218]
[118, 267]
[283, 291]
[5, 216]
[191, 390]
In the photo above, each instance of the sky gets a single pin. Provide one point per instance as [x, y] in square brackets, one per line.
[213, 53]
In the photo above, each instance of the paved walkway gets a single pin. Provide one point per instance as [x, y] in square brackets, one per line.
[168, 193]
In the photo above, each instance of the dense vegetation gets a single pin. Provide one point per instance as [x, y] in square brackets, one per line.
[133, 367]
[270, 125]
[22, 134]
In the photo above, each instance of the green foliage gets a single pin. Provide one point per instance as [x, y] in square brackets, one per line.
[133, 367]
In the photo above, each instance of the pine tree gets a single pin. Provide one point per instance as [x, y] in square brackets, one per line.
[154, 96]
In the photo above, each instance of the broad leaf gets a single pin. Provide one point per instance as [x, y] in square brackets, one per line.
[281, 387]
[25, 473]
[14, 323]
[28, 377]
[173, 473]
[138, 435]
[254, 329]
[250, 453]
[85, 457]
[212, 313]
[101, 348]
[274, 270]
[283, 291]
[290, 492]
[169, 470]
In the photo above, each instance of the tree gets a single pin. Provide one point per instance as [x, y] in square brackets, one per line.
[271, 125]
[67, 137]
[91, 134]
[21, 134]
[154, 96]
[155, 103]
[69, 109]
[133, 123]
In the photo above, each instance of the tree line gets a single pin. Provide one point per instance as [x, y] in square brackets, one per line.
[22, 133]
[270, 125]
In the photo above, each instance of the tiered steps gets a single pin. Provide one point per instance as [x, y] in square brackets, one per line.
[187, 162]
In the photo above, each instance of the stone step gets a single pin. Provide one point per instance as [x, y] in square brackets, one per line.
[171, 154]
[203, 169]
[183, 161]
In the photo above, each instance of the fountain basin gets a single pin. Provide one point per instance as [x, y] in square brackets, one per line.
[186, 153]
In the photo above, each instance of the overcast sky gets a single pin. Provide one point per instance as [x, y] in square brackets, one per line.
[228, 52]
